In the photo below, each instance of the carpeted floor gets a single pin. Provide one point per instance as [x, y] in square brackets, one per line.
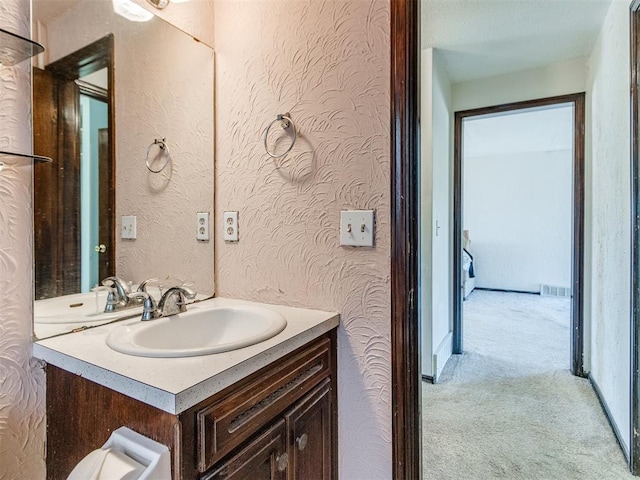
[509, 408]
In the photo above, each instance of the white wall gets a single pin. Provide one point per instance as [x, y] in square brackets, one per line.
[608, 85]
[22, 382]
[435, 204]
[517, 209]
[517, 200]
[548, 81]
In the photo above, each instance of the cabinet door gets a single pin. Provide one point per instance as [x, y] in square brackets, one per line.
[265, 458]
[309, 429]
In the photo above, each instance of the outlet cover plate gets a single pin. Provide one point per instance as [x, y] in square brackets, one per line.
[356, 228]
[230, 226]
[202, 226]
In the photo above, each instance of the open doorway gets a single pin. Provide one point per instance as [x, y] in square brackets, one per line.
[519, 187]
[606, 81]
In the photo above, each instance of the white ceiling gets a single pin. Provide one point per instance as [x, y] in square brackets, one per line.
[480, 38]
[538, 129]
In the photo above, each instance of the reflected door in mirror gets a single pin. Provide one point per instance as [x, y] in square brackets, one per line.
[74, 211]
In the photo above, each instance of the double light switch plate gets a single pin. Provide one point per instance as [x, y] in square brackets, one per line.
[356, 228]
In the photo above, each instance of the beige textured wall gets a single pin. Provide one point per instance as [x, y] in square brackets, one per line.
[326, 62]
[194, 17]
[22, 384]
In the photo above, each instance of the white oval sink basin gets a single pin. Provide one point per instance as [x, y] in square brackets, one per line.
[201, 330]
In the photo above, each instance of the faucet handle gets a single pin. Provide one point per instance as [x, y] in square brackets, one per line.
[143, 285]
[115, 280]
[121, 287]
[149, 308]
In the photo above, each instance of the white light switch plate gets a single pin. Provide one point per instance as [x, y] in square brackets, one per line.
[356, 228]
[202, 226]
[129, 227]
[230, 226]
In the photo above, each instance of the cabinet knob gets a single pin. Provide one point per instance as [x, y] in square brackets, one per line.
[100, 248]
[301, 441]
[283, 462]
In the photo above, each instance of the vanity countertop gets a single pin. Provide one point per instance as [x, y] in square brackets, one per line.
[176, 384]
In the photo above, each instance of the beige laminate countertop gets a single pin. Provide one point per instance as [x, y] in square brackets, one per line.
[176, 384]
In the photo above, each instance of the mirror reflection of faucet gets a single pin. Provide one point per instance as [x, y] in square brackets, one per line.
[118, 297]
[172, 301]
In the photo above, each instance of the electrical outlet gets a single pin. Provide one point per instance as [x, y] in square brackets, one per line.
[129, 230]
[230, 226]
[356, 228]
[202, 226]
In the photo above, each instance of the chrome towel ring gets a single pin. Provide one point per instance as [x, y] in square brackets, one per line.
[285, 122]
[163, 148]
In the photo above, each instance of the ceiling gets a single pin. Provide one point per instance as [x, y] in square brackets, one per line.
[481, 38]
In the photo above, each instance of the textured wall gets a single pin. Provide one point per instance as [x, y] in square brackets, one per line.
[22, 384]
[161, 91]
[327, 62]
[611, 202]
[194, 17]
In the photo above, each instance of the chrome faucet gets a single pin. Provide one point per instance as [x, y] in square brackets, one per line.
[118, 297]
[180, 303]
[152, 310]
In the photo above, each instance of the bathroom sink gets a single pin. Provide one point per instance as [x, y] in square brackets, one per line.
[201, 330]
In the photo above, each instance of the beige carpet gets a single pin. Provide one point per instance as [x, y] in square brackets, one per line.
[508, 408]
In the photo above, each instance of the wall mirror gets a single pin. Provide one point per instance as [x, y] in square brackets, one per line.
[105, 91]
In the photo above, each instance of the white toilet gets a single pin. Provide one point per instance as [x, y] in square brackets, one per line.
[126, 455]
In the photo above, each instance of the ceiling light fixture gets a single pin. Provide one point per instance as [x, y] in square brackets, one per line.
[131, 11]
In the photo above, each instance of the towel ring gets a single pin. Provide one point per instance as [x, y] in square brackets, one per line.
[285, 123]
[163, 146]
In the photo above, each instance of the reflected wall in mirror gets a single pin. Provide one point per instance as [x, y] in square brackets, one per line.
[114, 87]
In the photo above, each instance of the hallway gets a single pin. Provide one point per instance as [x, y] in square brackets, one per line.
[509, 407]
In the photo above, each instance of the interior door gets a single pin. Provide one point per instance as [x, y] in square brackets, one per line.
[106, 258]
[56, 127]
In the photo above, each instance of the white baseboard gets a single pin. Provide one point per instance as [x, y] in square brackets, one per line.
[441, 355]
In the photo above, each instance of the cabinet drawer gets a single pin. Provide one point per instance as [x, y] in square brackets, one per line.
[230, 421]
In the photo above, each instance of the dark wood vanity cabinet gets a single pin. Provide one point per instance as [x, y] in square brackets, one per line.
[309, 433]
[278, 423]
[297, 447]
